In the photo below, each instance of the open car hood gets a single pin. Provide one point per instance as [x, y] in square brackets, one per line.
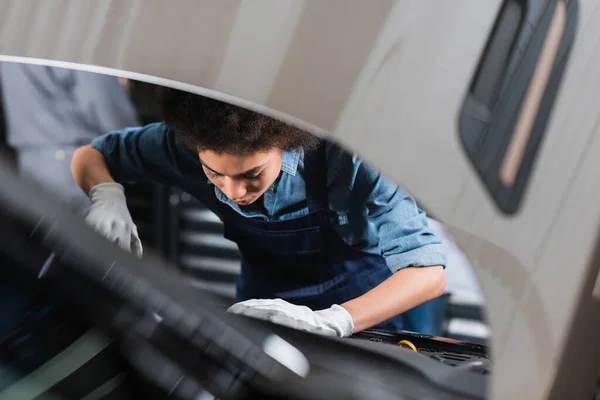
[181, 341]
[396, 81]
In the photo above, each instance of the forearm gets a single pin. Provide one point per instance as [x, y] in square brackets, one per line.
[89, 168]
[406, 289]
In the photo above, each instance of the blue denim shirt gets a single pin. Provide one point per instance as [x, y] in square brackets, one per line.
[369, 212]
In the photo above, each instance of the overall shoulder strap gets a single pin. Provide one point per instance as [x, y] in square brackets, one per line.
[315, 164]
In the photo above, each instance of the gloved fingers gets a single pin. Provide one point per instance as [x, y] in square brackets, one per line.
[280, 312]
[263, 304]
[254, 312]
[96, 223]
[302, 325]
[245, 309]
[262, 314]
[124, 237]
[333, 321]
[104, 228]
[128, 239]
[237, 308]
[116, 231]
[136, 246]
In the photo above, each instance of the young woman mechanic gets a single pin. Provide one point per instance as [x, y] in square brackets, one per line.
[328, 245]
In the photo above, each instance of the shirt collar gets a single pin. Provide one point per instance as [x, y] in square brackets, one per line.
[290, 159]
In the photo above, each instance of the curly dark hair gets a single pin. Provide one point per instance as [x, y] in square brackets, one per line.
[202, 123]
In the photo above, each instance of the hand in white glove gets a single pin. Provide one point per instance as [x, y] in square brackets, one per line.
[333, 321]
[110, 217]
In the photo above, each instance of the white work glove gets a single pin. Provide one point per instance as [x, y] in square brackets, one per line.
[110, 217]
[333, 321]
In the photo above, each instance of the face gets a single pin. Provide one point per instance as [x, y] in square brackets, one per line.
[243, 179]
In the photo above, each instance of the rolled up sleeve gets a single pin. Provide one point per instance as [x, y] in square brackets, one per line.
[146, 154]
[405, 239]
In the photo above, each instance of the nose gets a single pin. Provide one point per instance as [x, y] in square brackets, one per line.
[234, 189]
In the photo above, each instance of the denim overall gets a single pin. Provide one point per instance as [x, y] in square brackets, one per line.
[303, 260]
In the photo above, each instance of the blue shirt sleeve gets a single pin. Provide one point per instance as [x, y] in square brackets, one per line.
[149, 154]
[394, 222]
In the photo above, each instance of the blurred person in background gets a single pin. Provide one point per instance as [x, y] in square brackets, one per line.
[50, 112]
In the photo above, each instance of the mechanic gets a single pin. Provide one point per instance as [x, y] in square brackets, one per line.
[328, 245]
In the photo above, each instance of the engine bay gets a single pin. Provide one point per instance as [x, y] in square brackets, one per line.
[450, 352]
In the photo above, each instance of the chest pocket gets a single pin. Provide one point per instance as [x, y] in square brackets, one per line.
[343, 221]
